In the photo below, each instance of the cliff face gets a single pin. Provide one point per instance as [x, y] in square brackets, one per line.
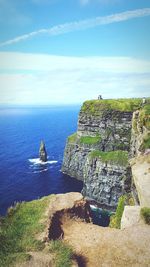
[98, 153]
[140, 137]
[106, 181]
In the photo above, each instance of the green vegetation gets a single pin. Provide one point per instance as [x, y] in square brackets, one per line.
[63, 254]
[18, 231]
[146, 142]
[115, 220]
[145, 115]
[72, 138]
[95, 106]
[90, 140]
[115, 157]
[145, 214]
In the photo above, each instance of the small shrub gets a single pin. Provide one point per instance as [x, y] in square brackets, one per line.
[145, 214]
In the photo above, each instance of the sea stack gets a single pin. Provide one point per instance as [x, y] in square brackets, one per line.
[42, 152]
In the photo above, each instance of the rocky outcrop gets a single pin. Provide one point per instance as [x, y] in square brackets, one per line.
[103, 126]
[42, 152]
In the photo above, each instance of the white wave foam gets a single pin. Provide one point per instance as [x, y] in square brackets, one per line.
[37, 161]
[45, 170]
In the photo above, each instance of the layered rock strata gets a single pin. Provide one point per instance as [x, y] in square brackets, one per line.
[97, 153]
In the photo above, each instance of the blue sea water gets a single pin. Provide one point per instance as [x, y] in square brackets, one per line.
[22, 178]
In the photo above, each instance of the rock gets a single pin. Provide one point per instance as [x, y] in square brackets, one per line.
[140, 132]
[103, 182]
[64, 207]
[131, 217]
[42, 152]
[141, 178]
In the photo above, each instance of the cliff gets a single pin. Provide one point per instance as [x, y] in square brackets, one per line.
[140, 167]
[98, 152]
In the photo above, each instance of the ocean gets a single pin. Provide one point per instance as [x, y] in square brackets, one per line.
[22, 177]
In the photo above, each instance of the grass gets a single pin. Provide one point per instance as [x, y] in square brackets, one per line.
[115, 220]
[145, 214]
[145, 115]
[72, 138]
[145, 143]
[118, 157]
[63, 253]
[125, 105]
[18, 231]
[90, 140]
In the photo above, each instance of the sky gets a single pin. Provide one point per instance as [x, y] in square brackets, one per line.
[68, 51]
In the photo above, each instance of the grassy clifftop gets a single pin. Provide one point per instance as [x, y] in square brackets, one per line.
[19, 232]
[124, 105]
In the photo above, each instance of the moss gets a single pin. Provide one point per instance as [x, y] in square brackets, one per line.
[18, 231]
[72, 138]
[145, 214]
[115, 220]
[115, 157]
[125, 105]
[63, 253]
[90, 139]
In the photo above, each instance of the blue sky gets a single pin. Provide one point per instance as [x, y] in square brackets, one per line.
[67, 51]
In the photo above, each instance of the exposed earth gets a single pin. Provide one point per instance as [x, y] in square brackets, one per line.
[94, 246]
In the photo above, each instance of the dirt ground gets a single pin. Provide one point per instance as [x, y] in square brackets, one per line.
[106, 247]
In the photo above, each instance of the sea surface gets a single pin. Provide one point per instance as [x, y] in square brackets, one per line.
[22, 176]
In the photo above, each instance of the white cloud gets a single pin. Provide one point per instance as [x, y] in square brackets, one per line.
[82, 25]
[45, 79]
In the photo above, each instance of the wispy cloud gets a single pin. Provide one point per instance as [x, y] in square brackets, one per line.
[82, 25]
[34, 79]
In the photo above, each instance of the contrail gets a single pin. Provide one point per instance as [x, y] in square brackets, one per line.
[81, 25]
